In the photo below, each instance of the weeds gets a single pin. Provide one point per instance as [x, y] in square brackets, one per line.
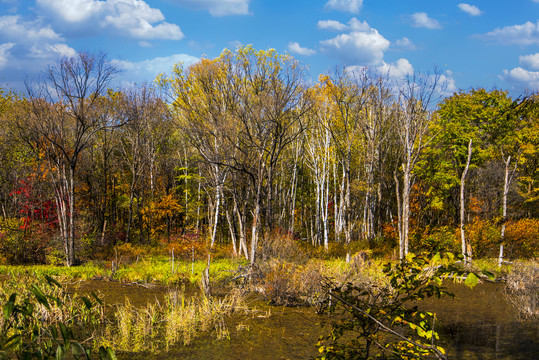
[179, 320]
[45, 322]
[522, 288]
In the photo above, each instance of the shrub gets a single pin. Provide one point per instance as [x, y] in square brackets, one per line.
[38, 322]
[434, 240]
[22, 243]
[521, 239]
[281, 245]
[371, 317]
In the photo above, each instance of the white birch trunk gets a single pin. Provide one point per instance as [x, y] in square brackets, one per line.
[466, 250]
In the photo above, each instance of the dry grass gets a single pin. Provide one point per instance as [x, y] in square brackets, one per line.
[179, 320]
[522, 288]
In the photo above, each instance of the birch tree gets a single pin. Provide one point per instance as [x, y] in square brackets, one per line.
[415, 113]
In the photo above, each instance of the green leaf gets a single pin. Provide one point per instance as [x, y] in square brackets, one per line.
[471, 280]
[8, 307]
[65, 333]
[87, 302]
[77, 349]
[106, 353]
[94, 295]
[12, 341]
[60, 352]
[51, 280]
[40, 296]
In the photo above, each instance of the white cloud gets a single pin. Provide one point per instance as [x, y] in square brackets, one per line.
[353, 25]
[447, 85]
[333, 25]
[351, 6]
[522, 77]
[470, 9]
[218, 7]
[147, 70]
[422, 20]
[129, 18]
[525, 34]
[27, 47]
[405, 44]
[52, 50]
[359, 48]
[4, 53]
[530, 61]
[295, 48]
[395, 72]
[13, 27]
[401, 71]
[33, 44]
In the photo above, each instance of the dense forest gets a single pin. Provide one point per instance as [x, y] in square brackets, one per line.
[236, 149]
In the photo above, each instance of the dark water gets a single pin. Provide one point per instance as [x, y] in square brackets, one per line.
[478, 324]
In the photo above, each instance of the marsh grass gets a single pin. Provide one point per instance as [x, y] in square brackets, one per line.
[179, 320]
[150, 269]
[522, 288]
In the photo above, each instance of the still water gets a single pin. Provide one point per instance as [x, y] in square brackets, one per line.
[477, 324]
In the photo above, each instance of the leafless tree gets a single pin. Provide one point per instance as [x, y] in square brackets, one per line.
[63, 118]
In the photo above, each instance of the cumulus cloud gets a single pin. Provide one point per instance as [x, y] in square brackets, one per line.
[295, 48]
[31, 42]
[27, 47]
[470, 9]
[522, 78]
[14, 27]
[530, 61]
[351, 6]
[359, 48]
[422, 20]
[218, 7]
[353, 25]
[526, 75]
[148, 69]
[525, 34]
[128, 18]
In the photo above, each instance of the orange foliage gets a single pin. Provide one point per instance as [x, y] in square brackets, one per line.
[522, 238]
[184, 246]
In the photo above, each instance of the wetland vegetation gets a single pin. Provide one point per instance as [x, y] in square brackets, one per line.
[235, 210]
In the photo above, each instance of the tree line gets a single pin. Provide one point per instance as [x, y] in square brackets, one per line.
[242, 146]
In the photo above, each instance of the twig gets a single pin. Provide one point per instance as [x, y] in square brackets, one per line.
[436, 352]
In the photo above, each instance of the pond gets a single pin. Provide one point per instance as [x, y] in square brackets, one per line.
[478, 324]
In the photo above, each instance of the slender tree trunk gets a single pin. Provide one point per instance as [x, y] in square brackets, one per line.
[293, 190]
[504, 203]
[130, 210]
[466, 250]
[405, 207]
[216, 214]
[255, 228]
[399, 216]
[242, 226]
[232, 228]
[71, 202]
[325, 210]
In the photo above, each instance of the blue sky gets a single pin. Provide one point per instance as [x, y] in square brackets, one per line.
[478, 43]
